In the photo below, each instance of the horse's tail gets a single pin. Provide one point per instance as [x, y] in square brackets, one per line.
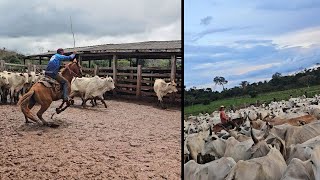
[24, 100]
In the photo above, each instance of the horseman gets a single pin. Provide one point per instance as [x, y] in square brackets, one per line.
[225, 120]
[53, 70]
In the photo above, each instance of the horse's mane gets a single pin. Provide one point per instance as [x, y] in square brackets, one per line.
[64, 69]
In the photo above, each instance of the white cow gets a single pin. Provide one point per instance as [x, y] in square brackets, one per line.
[271, 166]
[297, 150]
[16, 83]
[298, 169]
[3, 82]
[216, 170]
[91, 88]
[314, 155]
[161, 88]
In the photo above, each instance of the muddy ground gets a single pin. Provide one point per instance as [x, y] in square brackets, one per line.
[125, 141]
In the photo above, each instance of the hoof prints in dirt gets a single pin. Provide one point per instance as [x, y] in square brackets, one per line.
[36, 126]
[142, 143]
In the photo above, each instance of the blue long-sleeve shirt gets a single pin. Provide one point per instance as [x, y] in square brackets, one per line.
[55, 62]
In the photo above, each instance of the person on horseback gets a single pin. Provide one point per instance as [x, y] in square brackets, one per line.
[53, 67]
[223, 117]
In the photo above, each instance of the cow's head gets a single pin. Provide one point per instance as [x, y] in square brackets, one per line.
[260, 147]
[172, 87]
[25, 77]
[109, 83]
[208, 153]
[4, 80]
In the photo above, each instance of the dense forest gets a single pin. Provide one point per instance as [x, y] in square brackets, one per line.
[306, 78]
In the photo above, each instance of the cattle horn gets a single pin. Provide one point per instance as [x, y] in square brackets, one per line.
[255, 140]
[266, 134]
[210, 131]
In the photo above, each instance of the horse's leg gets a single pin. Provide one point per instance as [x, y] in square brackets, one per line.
[32, 102]
[60, 110]
[44, 107]
[26, 102]
[61, 105]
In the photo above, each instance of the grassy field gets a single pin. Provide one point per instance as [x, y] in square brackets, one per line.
[241, 101]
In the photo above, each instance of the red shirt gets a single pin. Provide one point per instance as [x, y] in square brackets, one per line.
[223, 117]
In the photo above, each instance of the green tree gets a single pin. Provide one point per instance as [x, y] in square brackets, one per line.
[244, 84]
[307, 80]
[219, 80]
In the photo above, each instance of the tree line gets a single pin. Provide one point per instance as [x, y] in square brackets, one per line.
[306, 78]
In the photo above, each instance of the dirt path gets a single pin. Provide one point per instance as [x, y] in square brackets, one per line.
[125, 141]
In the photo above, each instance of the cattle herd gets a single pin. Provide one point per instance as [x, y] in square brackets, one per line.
[280, 140]
[13, 85]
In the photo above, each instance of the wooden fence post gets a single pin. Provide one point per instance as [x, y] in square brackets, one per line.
[80, 60]
[35, 68]
[96, 69]
[115, 64]
[173, 73]
[139, 77]
[173, 68]
[2, 65]
[29, 67]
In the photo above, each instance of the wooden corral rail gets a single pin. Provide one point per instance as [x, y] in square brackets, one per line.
[132, 81]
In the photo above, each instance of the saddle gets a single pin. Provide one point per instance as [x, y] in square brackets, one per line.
[50, 83]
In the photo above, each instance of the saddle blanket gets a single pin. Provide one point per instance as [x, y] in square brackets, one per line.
[50, 83]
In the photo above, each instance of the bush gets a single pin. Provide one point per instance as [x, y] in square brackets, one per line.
[253, 94]
[206, 102]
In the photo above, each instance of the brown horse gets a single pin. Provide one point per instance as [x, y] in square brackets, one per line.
[44, 95]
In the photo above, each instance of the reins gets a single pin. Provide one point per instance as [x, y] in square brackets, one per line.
[72, 72]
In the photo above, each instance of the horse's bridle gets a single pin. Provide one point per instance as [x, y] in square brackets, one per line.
[72, 72]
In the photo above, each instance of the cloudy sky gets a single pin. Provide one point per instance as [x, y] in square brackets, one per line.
[35, 26]
[249, 40]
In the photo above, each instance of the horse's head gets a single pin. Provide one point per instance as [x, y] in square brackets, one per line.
[74, 69]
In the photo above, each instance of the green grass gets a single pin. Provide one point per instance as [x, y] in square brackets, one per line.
[240, 101]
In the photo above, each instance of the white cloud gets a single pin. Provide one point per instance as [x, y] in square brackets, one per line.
[246, 69]
[304, 38]
[215, 65]
[34, 26]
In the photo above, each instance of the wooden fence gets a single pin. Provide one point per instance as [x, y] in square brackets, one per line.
[129, 81]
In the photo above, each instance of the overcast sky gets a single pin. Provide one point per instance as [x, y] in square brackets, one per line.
[249, 40]
[35, 26]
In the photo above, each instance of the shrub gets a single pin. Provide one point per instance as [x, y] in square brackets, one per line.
[206, 102]
[253, 94]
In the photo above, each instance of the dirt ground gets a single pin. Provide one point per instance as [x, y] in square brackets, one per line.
[125, 141]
